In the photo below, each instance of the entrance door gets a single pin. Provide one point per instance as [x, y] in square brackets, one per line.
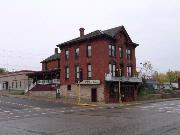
[127, 93]
[94, 95]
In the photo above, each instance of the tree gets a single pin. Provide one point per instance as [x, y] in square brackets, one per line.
[146, 71]
[173, 76]
[3, 70]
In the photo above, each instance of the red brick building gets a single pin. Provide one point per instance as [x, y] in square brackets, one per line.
[104, 62]
[46, 81]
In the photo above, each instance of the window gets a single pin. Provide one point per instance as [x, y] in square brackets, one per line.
[129, 71]
[67, 72]
[66, 54]
[112, 69]
[89, 51]
[120, 52]
[112, 50]
[68, 87]
[12, 84]
[89, 71]
[76, 53]
[77, 72]
[20, 84]
[128, 54]
[16, 84]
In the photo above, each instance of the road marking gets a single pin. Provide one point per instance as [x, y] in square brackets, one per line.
[168, 111]
[36, 108]
[167, 107]
[62, 111]
[11, 113]
[160, 110]
[16, 116]
[53, 112]
[6, 111]
[43, 113]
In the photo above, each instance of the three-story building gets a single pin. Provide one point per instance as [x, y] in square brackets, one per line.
[103, 62]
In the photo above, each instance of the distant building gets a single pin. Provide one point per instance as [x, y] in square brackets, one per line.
[103, 62]
[152, 84]
[17, 80]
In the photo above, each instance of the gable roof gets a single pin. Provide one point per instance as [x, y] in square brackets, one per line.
[51, 58]
[110, 33]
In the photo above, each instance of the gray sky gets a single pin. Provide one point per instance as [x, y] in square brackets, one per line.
[31, 29]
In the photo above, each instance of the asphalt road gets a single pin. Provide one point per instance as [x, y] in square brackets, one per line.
[27, 117]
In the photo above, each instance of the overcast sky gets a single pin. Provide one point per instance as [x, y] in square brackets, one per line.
[31, 29]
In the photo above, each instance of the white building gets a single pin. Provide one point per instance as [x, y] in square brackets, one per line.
[14, 80]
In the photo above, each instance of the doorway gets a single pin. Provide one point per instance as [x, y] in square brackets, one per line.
[93, 95]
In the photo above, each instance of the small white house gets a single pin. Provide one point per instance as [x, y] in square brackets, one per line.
[14, 80]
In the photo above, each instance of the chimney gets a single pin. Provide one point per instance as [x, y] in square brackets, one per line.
[81, 32]
[56, 51]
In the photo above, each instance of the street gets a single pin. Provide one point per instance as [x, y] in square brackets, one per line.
[28, 117]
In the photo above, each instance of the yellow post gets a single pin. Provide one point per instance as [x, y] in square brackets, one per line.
[79, 93]
[119, 91]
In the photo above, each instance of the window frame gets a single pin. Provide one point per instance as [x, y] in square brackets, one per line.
[120, 52]
[128, 54]
[67, 54]
[112, 69]
[77, 53]
[77, 72]
[129, 71]
[89, 51]
[67, 72]
[89, 71]
[112, 50]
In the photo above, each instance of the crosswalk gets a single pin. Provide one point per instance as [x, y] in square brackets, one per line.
[162, 107]
[13, 110]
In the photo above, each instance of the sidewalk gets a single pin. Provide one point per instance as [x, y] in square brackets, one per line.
[98, 104]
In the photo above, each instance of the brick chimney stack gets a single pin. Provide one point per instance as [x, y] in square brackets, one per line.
[81, 32]
[56, 51]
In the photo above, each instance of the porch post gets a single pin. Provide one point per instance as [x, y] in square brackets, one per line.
[119, 91]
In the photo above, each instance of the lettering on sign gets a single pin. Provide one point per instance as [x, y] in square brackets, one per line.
[90, 82]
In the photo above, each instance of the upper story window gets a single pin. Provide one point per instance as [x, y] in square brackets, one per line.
[66, 54]
[112, 50]
[120, 52]
[66, 72]
[89, 71]
[77, 69]
[129, 71]
[128, 54]
[89, 51]
[112, 69]
[76, 53]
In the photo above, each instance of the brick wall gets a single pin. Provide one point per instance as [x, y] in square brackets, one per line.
[50, 65]
[85, 92]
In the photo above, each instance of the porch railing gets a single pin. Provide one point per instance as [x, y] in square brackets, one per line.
[109, 77]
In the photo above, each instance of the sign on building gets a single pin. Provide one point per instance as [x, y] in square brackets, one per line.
[90, 82]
